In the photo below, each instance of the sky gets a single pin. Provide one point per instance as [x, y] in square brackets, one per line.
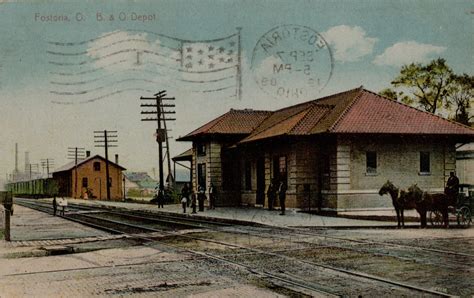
[69, 68]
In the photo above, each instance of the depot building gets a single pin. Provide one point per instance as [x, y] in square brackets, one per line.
[334, 153]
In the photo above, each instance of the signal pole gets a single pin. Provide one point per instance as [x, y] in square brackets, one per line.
[102, 139]
[75, 154]
[161, 133]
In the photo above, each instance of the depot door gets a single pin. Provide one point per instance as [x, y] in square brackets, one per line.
[260, 181]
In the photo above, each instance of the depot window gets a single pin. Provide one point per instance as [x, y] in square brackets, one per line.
[371, 162]
[425, 162]
[97, 166]
[201, 149]
[85, 182]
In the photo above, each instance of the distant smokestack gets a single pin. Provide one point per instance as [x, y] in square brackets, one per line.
[116, 158]
[88, 153]
[27, 161]
[16, 158]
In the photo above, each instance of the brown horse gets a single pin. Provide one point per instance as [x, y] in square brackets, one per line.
[400, 200]
[431, 202]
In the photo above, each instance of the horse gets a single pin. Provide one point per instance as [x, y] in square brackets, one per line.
[425, 202]
[400, 200]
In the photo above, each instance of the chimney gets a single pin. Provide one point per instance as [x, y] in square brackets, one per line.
[88, 153]
[116, 159]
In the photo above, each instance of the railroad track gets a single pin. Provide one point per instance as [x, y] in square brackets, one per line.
[271, 232]
[293, 281]
[400, 251]
[200, 223]
[388, 248]
[291, 230]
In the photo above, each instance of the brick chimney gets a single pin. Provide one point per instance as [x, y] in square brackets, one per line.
[88, 153]
[116, 159]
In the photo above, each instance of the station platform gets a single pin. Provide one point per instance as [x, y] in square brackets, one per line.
[32, 225]
[292, 218]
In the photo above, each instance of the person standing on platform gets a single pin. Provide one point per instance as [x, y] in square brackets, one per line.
[193, 202]
[212, 196]
[185, 194]
[161, 198]
[63, 204]
[282, 196]
[184, 197]
[184, 203]
[201, 198]
[271, 194]
[55, 206]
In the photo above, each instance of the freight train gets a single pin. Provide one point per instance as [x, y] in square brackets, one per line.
[36, 188]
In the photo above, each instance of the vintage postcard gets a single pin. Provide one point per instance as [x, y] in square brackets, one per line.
[222, 148]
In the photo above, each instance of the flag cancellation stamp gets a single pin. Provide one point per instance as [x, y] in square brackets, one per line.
[292, 62]
[120, 61]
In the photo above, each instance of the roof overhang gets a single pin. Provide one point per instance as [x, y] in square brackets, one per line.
[185, 156]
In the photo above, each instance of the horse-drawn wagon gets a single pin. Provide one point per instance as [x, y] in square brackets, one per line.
[462, 210]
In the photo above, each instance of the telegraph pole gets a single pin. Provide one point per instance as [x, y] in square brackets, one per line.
[47, 163]
[75, 153]
[103, 138]
[31, 169]
[161, 133]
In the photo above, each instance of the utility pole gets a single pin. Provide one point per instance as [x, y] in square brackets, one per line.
[124, 193]
[75, 153]
[47, 163]
[103, 138]
[161, 133]
[31, 169]
[16, 171]
[168, 157]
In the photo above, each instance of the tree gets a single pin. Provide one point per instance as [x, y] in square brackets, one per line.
[461, 95]
[429, 84]
[433, 86]
[397, 96]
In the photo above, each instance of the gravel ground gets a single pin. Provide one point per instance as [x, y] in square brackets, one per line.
[181, 265]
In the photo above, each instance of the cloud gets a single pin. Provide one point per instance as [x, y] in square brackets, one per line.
[407, 52]
[349, 43]
[117, 50]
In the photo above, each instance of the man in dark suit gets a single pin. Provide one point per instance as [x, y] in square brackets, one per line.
[282, 196]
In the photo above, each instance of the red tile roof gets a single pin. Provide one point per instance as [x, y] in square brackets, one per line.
[353, 111]
[372, 113]
[232, 122]
[300, 123]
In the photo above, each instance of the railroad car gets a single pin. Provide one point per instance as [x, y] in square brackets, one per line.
[36, 188]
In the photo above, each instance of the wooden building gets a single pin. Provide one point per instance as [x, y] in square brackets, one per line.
[334, 153]
[465, 164]
[88, 179]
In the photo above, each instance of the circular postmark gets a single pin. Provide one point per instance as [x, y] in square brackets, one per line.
[292, 62]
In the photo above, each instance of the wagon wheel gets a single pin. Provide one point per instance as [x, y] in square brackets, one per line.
[464, 216]
[436, 218]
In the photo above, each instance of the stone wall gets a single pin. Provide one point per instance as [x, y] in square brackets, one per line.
[347, 185]
[398, 160]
